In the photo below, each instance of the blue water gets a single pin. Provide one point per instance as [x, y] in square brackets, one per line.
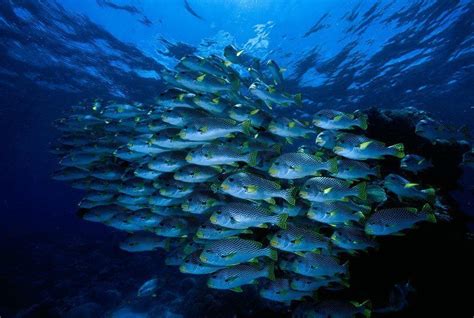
[339, 54]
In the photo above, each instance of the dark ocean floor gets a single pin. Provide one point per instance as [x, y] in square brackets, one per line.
[84, 273]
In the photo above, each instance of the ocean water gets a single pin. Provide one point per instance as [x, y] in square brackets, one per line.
[405, 57]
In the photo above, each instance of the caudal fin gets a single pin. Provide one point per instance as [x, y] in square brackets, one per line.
[252, 158]
[363, 122]
[430, 216]
[271, 253]
[271, 271]
[290, 195]
[397, 150]
[246, 127]
[298, 98]
[431, 193]
[281, 220]
[361, 189]
[332, 165]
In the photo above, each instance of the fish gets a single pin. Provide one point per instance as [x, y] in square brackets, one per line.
[121, 111]
[352, 148]
[304, 283]
[144, 218]
[144, 243]
[210, 231]
[175, 189]
[241, 216]
[322, 189]
[70, 174]
[353, 170]
[193, 265]
[289, 129]
[415, 163]
[169, 138]
[394, 220]
[209, 128]
[280, 291]
[435, 131]
[408, 191]
[200, 203]
[244, 185]
[352, 239]
[148, 288]
[239, 57]
[101, 213]
[80, 160]
[337, 212]
[168, 162]
[214, 155]
[196, 173]
[204, 66]
[181, 116]
[298, 239]
[234, 251]
[275, 71]
[255, 116]
[233, 278]
[335, 120]
[173, 227]
[318, 265]
[270, 96]
[300, 165]
[206, 83]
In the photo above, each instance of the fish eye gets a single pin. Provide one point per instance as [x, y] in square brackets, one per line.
[278, 292]
[279, 235]
[167, 184]
[219, 212]
[313, 267]
[277, 163]
[208, 251]
[219, 230]
[307, 186]
[214, 276]
[185, 126]
[226, 280]
[186, 261]
[173, 226]
[168, 110]
[190, 199]
[231, 179]
[292, 241]
[204, 226]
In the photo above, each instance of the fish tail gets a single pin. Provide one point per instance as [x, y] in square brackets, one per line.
[167, 245]
[271, 271]
[298, 98]
[271, 253]
[361, 189]
[397, 150]
[431, 193]
[252, 158]
[377, 193]
[281, 220]
[290, 195]
[430, 216]
[246, 127]
[235, 82]
[363, 121]
[332, 165]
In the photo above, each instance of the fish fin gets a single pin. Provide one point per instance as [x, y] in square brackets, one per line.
[282, 219]
[431, 194]
[291, 124]
[247, 231]
[289, 140]
[254, 111]
[271, 89]
[338, 117]
[430, 216]
[327, 190]
[200, 78]
[227, 63]
[298, 98]
[263, 226]
[271, 271]
[270, 201]
[332, 165]
[361, 191]
[252, 158]
[215, 100]
[235, 82]
[251, 188]
[276, 148]
[411, 185]
[290, 195]
[299, 254]
[360, 215]
[237, 289]
[167, 246]
[239, 53]
[364, 145]
[246, 127]
[363, 122]
[253, 261]
[398, 150]
[229, 256]
[273, 254]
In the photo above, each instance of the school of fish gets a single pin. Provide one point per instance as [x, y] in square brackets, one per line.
[233, 191]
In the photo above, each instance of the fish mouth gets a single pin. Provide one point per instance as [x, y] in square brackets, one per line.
[253, 86]
[273, 243]
[188, 158]
[203, 258]
[213, 219]
[182, 269]
[272, 171]
[303, 194]
[185, 206]
[225, 187]
[199, 234]
[182, 134]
